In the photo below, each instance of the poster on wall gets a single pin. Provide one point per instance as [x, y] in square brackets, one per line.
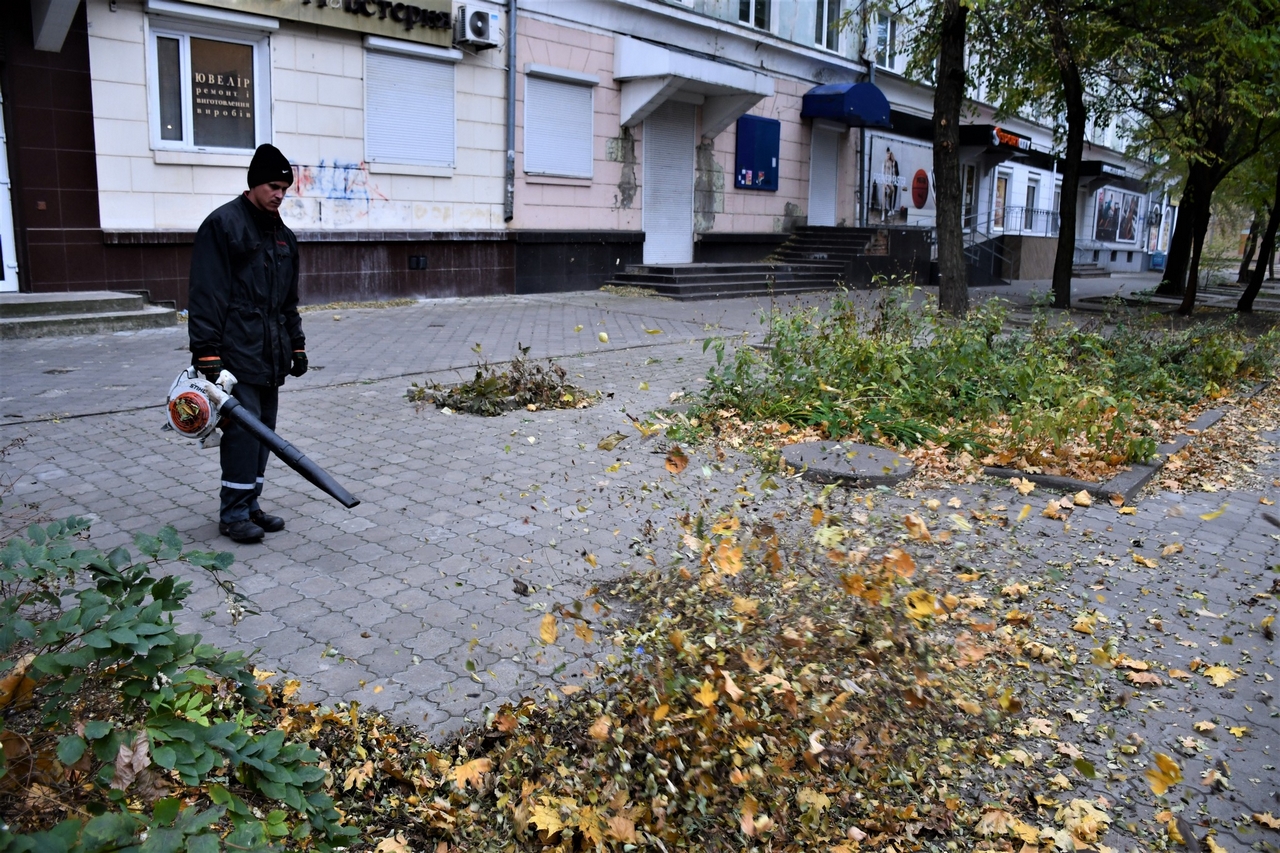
[899, 182]
[1116, 216]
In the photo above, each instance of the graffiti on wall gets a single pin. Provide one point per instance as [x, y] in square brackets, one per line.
[333, 194]
[335, 180]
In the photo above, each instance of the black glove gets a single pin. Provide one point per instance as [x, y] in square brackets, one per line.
[299, 365]
[210, 366]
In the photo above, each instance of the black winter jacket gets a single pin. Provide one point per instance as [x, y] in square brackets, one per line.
[243, 299]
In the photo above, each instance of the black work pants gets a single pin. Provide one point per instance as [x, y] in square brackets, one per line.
[244, 458]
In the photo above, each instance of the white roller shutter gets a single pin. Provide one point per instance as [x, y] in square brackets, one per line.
[669, 157]
[409, 113]
[823, 175]
[557, 128]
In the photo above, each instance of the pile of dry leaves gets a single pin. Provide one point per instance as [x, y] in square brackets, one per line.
[818, 679]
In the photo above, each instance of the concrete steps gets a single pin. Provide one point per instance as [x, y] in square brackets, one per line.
[1089, 271]
[812, 259]
[38, 315]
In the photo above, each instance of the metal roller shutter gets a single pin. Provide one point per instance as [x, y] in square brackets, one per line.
[669, 157]
[823, 175]
[409, 112]
[557, 128]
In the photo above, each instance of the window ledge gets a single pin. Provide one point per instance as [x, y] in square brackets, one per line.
[560, 180]
[410, 169]
[168, 157]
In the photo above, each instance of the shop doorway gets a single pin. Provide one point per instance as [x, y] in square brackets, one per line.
[8, 251]
[824, 170]
[670, 150]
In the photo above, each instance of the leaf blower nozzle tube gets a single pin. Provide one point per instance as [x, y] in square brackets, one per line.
[290, 455]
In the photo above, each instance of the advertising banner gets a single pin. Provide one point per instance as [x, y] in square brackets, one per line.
[899, 180]
[1116, 216]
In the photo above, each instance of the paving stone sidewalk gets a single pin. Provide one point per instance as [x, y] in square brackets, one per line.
[409, 603]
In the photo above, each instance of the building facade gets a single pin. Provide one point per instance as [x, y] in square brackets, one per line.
[445, 149]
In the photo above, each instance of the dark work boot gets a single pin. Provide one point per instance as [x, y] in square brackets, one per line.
[269, 523]
[241, 531]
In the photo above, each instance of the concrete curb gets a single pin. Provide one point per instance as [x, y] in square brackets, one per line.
[848, 464]
[1127, 483]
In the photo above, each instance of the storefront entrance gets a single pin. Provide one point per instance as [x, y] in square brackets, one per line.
[669, 158]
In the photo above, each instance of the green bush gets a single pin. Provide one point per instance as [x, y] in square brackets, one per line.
[904, 373]
[107, 708]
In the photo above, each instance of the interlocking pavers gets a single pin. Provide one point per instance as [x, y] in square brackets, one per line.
[425, 565]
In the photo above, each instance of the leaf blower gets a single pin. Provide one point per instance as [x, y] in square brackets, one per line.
[196, 406]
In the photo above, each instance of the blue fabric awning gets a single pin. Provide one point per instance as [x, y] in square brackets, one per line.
[854, 104]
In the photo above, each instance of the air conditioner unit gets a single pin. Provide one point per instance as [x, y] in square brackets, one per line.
[475, 28]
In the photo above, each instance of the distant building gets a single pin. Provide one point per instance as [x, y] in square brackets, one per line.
[643, 131]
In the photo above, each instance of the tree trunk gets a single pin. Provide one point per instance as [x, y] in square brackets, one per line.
[1200, 225]
[1250, 245]
[953, 285]
[1265, 250]
[1073, 95]
[1175, 266]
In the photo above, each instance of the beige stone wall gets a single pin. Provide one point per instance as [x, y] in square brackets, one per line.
[317, 99]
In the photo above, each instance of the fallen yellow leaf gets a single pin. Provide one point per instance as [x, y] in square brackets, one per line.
[470, 773]
[600, 728]
[1082, 498]
[1238, 731]
[921, 605]
[547, 630]
[394, 844]
[707, 696]
[900, 562]
[1165, 774]
[1217, 513]
[1219, 675]
[1023, 485]
[916, 528]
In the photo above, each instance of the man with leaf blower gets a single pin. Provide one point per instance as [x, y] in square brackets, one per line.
[243, 317]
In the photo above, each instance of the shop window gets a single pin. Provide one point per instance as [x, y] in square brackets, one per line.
[756, 13]
[208, 89]
[409, 110]
[558, 122]
[968, 183]
[826, 28]
[999, 201]
[886, 40]
[1029, 211]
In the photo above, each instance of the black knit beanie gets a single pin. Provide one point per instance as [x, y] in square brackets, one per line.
[269, 165]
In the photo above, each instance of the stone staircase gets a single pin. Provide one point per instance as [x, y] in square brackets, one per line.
[38, 315]
[821, 244]
[813, 258]
[1089, 270]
